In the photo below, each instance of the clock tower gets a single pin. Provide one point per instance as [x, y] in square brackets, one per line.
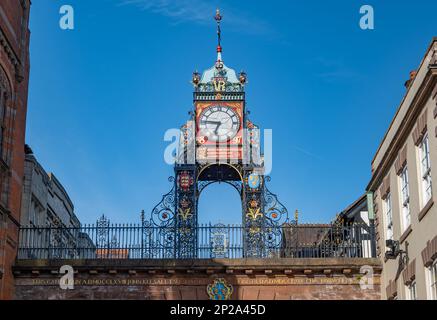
[220, 144]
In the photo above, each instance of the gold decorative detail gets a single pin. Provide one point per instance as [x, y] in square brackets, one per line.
[219, 85]
[254, 230]
[185, 213]
[253, 214]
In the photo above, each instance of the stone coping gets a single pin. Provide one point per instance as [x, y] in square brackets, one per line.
[244, 266]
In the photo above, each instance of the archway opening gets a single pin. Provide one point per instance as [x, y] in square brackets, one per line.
[220, 218]
[219, 202]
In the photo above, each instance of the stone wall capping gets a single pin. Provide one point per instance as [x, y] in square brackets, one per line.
[409, 273]
[429, 253]
[405, 234]
[425, 209]
[236, 266]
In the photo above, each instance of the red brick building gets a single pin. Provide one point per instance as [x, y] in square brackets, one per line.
[14, 78]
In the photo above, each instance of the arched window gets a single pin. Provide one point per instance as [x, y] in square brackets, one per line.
[4, 90]
[4, 176]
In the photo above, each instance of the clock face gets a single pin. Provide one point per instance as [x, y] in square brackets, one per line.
[219, 123]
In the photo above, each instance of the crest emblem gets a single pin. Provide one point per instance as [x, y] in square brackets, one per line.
[254, 181]
[219, 290]
[185, 181]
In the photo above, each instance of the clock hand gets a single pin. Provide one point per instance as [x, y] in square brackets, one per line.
[212, 122]
[217, 127]
[216, 123]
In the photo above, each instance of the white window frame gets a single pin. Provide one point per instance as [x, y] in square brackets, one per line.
[425, 170]
[412, 290]
[432, 277]
[405, 198]
[388, 213]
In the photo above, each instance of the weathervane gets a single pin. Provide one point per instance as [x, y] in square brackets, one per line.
[218, 18]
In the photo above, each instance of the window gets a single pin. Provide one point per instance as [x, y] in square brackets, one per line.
[405, 198]
[411, 291]
[389, 217]
[425, 165]
[433, 280]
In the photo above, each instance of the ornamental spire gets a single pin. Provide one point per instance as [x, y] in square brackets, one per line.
[218, 18]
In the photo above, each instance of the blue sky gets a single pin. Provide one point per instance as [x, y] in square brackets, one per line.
[102, 96]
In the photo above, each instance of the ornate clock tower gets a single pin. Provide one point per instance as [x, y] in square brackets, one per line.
[220, 144]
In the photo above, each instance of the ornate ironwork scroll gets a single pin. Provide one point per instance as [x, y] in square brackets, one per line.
[102, 232]
[159, 232]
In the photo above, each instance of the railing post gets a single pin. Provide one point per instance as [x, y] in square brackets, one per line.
[372, 239]
[50, 241]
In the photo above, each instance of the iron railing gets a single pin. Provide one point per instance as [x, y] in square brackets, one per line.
[136, 241]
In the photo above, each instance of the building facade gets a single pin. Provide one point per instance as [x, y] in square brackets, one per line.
[14, 76]
[403, 171]
[45, 202]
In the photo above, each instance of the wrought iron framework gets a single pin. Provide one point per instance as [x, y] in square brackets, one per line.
[147, 241]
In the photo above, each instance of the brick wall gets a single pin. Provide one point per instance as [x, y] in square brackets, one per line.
[251, 279]
[14, 70]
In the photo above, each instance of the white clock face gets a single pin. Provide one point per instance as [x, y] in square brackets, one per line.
[219, 123]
